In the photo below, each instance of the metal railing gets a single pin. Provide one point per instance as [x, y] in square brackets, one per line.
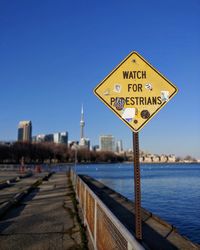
[105, 230]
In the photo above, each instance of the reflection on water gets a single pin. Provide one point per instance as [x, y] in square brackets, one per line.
[171, 191]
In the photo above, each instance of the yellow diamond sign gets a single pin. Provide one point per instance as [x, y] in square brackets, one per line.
[135, 91]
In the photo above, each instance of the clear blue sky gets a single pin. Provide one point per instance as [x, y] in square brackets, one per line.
[53, 53]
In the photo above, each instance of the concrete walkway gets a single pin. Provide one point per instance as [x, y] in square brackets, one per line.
[45, 219]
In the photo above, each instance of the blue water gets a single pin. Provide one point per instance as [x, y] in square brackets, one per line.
[170, 191]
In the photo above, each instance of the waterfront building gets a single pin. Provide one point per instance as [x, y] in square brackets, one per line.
[25, 131]
[163, 158]
[141, 158]
[156, 158]
[147, 158]
[171, 158]
[107, 143]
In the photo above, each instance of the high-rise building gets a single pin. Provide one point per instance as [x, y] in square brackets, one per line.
[64, 138]
[40, 138]
[25, 131]
[119, 146]
[60, 137]
[56, 137]
[48, 138]
[107, 143]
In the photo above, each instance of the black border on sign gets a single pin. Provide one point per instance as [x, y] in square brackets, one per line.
[108, 105]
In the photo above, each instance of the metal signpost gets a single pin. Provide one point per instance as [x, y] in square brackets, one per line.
[135, 91]
[137, 189]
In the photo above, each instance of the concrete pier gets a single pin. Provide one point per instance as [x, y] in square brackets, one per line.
[44, 219]
[111, 220]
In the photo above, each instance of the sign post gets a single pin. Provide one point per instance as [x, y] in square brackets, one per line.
[138, 217]
[135, 91]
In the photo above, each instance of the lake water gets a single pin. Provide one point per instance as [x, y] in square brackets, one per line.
[170, 191]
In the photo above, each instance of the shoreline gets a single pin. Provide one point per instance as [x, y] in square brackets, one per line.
[98, 163]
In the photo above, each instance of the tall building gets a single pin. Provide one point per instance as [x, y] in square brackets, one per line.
[60, 137]
[56, 137]
[25, 131]
[40, 138]
[48, 138]
[107, 143]
[64, 138]
[119, 146]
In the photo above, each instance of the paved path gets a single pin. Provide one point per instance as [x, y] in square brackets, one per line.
[45, 219]
[12, 189]
[6, 175]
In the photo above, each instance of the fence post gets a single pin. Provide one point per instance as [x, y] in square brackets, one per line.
[129, 246]
[84, 204]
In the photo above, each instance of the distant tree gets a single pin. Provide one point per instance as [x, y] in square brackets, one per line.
[189, 158]
[42, 152]
[5, 153]
[178, 159]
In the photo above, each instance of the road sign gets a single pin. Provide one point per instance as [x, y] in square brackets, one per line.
[135, 91]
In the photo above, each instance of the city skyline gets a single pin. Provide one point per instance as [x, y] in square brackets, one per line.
[54, 54]
[106, 142]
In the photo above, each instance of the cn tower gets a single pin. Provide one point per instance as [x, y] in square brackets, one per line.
[82, 123]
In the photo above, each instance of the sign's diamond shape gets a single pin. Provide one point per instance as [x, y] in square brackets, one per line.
[135, 91]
